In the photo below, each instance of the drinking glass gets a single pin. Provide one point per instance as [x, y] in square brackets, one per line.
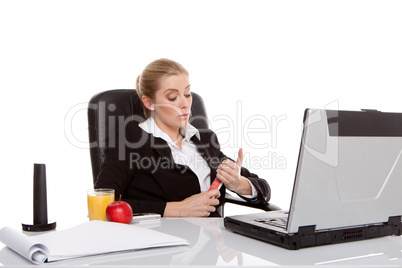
[98, 200]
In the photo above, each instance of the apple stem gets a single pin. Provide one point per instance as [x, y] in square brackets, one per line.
[120, 198]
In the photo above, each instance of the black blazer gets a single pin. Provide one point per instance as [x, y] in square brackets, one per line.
[144, 173]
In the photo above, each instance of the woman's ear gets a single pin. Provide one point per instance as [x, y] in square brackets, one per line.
[147, 103]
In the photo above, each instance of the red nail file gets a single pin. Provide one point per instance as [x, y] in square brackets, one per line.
[216, 184]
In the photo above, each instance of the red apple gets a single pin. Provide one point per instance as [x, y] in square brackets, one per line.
[119, 211]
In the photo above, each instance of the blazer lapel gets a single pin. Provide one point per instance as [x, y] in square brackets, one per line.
[162, 148]
[209, 155]
[164, 151]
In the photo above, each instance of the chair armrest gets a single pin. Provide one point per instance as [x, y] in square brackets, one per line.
[237, 200]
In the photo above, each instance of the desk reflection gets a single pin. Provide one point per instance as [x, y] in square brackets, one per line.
[213, 245]
[209, 240]
[206, 245]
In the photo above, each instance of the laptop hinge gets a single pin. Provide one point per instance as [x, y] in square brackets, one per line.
[306, 230]
[371, 110]
[395, 222]
[305, 237]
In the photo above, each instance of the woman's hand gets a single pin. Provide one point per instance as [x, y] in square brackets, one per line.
[198, 205]
[228, 173]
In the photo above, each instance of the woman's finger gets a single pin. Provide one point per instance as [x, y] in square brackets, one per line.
[239, 160]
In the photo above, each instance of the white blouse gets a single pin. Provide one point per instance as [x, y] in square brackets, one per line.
[189, 154]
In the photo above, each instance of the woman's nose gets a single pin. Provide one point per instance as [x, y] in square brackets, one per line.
[185, 102]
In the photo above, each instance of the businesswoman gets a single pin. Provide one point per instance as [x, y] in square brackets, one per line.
[170, 165]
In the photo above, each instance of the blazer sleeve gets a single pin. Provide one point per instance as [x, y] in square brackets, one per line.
[261, 185]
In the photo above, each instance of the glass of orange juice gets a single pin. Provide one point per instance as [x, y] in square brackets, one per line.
[98, 200]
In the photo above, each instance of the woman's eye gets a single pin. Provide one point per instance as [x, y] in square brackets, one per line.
[172, 99]
[188, 95]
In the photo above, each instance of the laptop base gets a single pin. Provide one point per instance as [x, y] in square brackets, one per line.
[307, 236]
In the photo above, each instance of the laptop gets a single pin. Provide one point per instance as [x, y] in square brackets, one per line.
[348, 183]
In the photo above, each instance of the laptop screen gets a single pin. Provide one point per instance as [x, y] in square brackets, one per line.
[349, 169]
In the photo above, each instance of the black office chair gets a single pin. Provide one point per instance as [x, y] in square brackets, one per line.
[108, 109]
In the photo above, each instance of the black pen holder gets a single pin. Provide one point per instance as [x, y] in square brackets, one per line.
[40, 222]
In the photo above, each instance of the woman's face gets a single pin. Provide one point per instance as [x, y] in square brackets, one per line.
[172, 102]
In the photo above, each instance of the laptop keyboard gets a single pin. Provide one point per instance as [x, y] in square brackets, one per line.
[278, 222]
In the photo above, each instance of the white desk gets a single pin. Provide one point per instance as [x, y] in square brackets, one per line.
[213, 245]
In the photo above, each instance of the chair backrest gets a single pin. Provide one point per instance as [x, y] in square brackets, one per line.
[106, 109]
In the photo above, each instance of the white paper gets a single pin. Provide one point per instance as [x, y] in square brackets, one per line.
[91, 238]
[24, 245]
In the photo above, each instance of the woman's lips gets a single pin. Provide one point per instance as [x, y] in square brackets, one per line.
[184, 115]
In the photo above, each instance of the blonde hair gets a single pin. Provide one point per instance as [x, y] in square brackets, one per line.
[148, 81]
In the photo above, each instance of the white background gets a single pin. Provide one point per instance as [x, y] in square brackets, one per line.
[252, 61]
